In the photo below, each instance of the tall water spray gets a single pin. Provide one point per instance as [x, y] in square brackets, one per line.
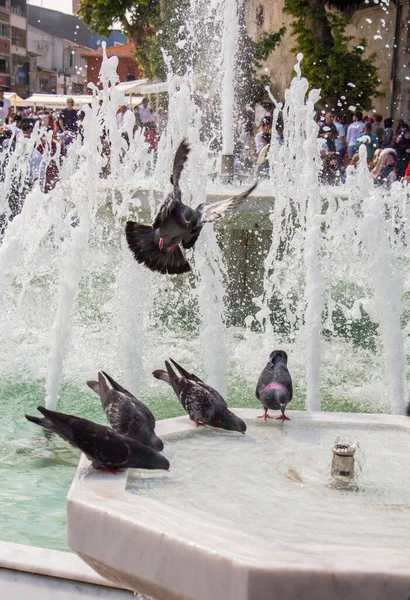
[334, 274]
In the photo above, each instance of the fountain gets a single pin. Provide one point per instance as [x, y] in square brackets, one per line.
[321, 272]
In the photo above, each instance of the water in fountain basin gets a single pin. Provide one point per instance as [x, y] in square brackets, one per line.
[331, 279]
[274, 483]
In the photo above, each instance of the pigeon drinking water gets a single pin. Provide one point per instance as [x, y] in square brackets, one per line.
[274, 387]
[157, 246]
[204, 405]
[105, 448]
[126, 414]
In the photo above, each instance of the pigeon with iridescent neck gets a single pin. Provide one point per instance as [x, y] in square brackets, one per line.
[158, 246]
[274, 387]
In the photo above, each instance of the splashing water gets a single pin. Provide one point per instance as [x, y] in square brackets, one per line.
[331, 283]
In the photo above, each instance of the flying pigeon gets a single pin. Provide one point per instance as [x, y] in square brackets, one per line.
[104, 447]
[157, 246]
[204, 405]
[126, 414]
[274, 387]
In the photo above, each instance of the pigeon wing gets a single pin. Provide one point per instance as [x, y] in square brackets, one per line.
[180, 159]
[166, 209]
[198, 402]
[173, 199]
[104, 446]
[211, 212]
[190, 239]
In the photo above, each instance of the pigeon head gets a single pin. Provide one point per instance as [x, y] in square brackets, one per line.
[187, 217]
[151, 460]
[153, 441]
[227, 420]
[278, 356]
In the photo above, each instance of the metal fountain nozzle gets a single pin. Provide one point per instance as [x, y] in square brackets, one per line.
[343, 461]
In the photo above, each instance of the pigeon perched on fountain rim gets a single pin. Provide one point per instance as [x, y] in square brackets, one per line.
[157, 246]
[204, 405]
[126, 414]
[104, 447]
[274, 386]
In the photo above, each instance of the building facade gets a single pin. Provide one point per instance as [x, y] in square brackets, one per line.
[14, 60]
[387, 34]
[128, 68]
[56, 64]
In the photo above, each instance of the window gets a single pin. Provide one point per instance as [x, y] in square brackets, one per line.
[71, 58]
[259, 15]
[18, 37]
[4, 66]
[4, 3]
[4, 30]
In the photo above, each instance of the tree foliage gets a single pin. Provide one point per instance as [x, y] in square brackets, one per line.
[140, 20]
[344, 75]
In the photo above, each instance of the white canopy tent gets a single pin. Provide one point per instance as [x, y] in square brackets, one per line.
[60, 101]
[55, 100]
[15, 99]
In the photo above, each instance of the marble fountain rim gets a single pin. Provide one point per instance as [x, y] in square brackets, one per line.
[105, 496]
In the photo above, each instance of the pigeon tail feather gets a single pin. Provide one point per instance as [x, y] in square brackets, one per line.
[141, 241]
[173, 378]
[104, 389]
[94, 385]
[162, 375]
[42, 421]
[114, 384]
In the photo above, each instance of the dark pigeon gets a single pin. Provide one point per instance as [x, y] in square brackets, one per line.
[204, 405]
[157, 246]
[105, 448]
[126, 414]
[274, 387]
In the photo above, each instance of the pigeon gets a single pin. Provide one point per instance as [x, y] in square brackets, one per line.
[274, 387]
[157, 246]
[104, 447]
[204, 405]
[126, 414]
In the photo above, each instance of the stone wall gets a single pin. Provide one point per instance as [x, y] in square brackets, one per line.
[371, 23]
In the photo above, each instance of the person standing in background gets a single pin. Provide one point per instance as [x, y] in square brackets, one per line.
[353, 132]
[5, 108]
[340, 142]
[144, 112]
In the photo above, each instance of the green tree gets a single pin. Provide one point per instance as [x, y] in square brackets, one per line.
[150, 24]
[342, 72]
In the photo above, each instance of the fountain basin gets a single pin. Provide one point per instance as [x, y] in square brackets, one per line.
[305, 540]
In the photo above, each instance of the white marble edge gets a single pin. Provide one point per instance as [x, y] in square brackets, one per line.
[105, 496]
[51, 563]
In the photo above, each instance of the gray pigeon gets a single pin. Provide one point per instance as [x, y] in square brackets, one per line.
[157, 246]
[104, 447]
[204, 405]
[126, 414]
[274, 387]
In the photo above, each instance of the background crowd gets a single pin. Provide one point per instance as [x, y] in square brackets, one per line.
[387, 144]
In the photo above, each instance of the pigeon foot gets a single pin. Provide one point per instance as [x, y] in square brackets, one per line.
[198, 423]
[161, 243]
[265, 416]
[108, 470]
[171, 247]
[282, 418]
